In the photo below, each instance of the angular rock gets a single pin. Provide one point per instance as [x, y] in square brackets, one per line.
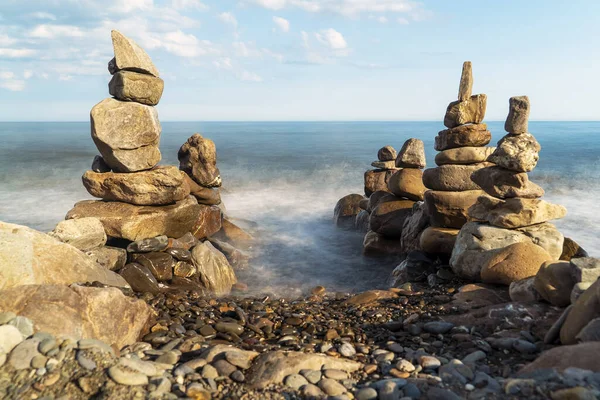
[376, 180]
[413, 228]
[377, 245]
[127, 221]
[504, 183]
[213, 268]
[582, 356]
[83, 234]
[554, 283]
[158, 186]
[204, 195]
[407, 182]
[129, 56]
[391, 165]
[572, 250]
[159, 264]
[99, 165]
[184, 269]
[475, 135]
[464, 155]
[140, 278]
[386, 153]
[585, 269]
[465, 89]
[517, 121]
[208, 223]
[158, 243]
[477, 243]
[85, 312]
[514, 262]
[361, 222]
[585, 309]
[237, 258]
[111, 258]
[126, 134]
[470, 111]
[133, 86]
[438, 240]
[31, 257]
[233, 234]
[345, 211]
[412, 154]
[517, 152]
[198, 158]
[388, 217]
[452, 178]
[515, 212]
[450, 209]
[523, 291]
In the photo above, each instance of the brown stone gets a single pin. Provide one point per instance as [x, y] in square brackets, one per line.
[204, 195]
[208, 223]
[158, 186]
[127, 221]
[376, 245]
[364, 203]
[413, 228]
[452, 178]
[554, 283]
[184, 269]
[376, 180]
[516, 212]
[518, 115]
[470, 111]
[388, 217]
[412, 154]
[464, 155]
[572, 250]
[386, 153]
[133, 86]
[438, 240]
[523, 291]
[475, 135]
[582, 356]
[370, 296]
[513, 263]
[130, 56]
[585, 309]
[233, 234]
[214, 270]
[407, 182]
[466, 82]
[140, 278]
[80, 312]
[450, 209]
[31, 257]
[198, 158]
[504, 183]
[159, 264]
[111, 258]
[391, 165]
[517, 152]
[377, 197]
[345, 211]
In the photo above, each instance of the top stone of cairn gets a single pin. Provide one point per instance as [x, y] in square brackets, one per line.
[466, 82]
[517, 121]
[129, 56]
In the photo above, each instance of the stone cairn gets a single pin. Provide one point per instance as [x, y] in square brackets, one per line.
[462, 151]
[163, 215]
[510, 237]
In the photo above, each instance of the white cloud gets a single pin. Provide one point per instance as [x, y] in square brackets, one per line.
[6, 75]
[127, 6]
[64, 77]
[332, 38]
[8, 81]
[6, 40]
[188, 4]
[249, 77]
[344, 7]
[181, 44]
[16, 53]
[402, 21]
[381, 19]
[43, 15]
[27, 74]
[46, 31]
[228, 18]
[282, 23]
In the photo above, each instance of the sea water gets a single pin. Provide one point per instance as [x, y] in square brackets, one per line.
[287, 177]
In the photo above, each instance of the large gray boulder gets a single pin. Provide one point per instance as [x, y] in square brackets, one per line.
[133, 86]
[30, 257]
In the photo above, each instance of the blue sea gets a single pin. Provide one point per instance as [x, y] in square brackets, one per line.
[287, 177]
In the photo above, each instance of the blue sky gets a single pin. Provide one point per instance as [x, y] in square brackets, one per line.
[304, 59]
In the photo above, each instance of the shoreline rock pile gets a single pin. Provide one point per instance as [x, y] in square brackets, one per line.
[510, 237]
[462, 151]
[385, 166]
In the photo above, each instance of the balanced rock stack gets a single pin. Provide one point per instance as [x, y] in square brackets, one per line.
[461, 153]
[510, 237]
[146, 207]
[377, 179]
[390, 210]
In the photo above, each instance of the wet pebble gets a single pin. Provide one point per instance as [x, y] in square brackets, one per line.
[429, 362]
[229, 327]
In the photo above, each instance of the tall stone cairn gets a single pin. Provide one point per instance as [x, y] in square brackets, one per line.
[462, 151]
[510, 237]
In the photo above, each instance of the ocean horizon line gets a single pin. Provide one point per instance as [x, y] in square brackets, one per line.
[302, 121]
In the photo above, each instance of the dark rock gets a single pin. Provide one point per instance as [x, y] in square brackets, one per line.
[140, 278]
[159, 264]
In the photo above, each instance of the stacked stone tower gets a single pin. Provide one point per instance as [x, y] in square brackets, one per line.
[512, 237]
[462, 151]
[377, 179]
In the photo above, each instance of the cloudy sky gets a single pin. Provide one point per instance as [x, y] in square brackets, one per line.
[304, 59]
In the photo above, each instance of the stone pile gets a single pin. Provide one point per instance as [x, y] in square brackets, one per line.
[462, 151]
[510, 237]
[385, 166]
[161, 214]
